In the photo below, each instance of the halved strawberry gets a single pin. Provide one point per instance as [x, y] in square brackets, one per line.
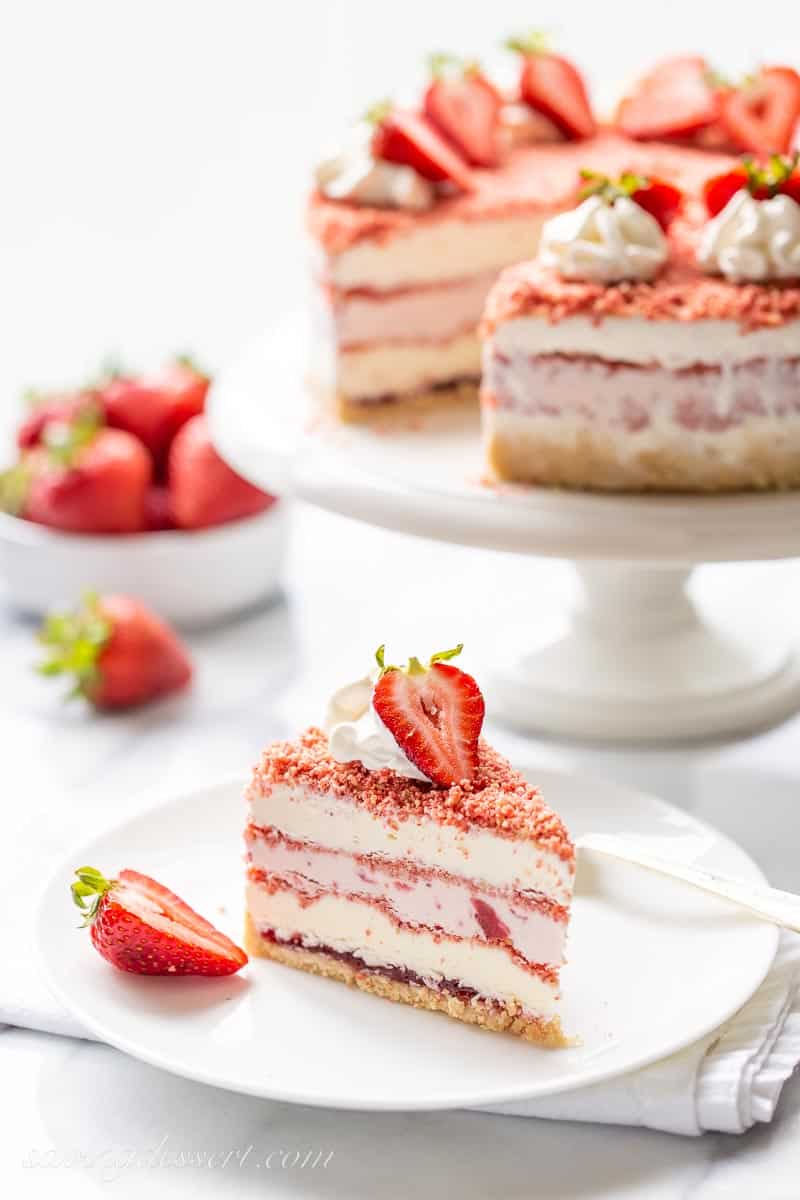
[434, 713]
[761, 115]
[465, 107]
[406, 137]
[778, 176]
[140, 926]
[675, 99]
[553, 86]
[661, 199]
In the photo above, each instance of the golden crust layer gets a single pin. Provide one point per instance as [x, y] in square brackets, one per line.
[591, 460]
[498, 1018]
[400, 407]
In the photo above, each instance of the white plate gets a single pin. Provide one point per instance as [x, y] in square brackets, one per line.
[191, 578]
[653, 966]
[422, 475]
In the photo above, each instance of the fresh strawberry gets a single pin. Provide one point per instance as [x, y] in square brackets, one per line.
[780, 175]
[204, 490]
[434, 713]
[761, 115]
[662, 200]
[140, 926]
[83, 478]
[553, 86]
[406, 137]
[154, 407]
[465, 107]
[674, 100]
[718, 190]
[118, 651]
[62, 407]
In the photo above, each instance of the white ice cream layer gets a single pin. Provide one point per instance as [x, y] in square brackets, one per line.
[350, 928]
[672, 344]
[473, 853]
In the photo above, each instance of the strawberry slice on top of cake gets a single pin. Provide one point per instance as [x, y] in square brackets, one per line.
[398, 852]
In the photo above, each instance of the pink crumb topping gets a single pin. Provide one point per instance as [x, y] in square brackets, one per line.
[531, 179]
[682, 292]
[498, 798]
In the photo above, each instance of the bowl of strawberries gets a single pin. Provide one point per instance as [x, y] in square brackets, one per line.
[117, 486]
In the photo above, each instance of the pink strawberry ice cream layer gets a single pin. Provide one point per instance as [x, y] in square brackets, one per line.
[532, 926]
[634, 398]
[425, 314]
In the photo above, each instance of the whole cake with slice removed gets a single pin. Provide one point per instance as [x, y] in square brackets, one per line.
[398, 852]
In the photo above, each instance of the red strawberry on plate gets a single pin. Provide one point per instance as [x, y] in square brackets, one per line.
[674, 100]
[154, 407]
[553, 86]
[434, 713]
[779, 176]
[406, 137]
[140, 926]
[661, 199]
[465, 108]
[119, 652]
[762, 114]
[204, 490]
[84, 478]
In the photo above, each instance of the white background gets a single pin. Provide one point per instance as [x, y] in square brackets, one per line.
[153, 164]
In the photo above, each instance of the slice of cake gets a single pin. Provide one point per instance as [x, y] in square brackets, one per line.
[414, 218]
[399, 853]
[625, 358]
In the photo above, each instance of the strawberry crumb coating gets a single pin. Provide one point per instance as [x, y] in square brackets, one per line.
[497, 799]
[682, 292]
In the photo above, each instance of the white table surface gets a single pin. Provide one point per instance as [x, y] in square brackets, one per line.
[157, 157]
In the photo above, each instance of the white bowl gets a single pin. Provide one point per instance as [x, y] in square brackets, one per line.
[191, 578]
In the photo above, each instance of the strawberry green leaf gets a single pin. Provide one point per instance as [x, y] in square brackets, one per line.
[75, 642]
[531, 42]
[63, 440]
[89, 883]
[14, 488]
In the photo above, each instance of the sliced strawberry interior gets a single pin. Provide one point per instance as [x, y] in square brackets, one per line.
[160, 909]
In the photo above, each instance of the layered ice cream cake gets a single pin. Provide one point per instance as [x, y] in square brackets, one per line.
[400, 853]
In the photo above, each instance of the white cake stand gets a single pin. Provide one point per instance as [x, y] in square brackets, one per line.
[635, 660]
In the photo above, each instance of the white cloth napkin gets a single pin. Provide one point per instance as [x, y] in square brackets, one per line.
[726, 1082]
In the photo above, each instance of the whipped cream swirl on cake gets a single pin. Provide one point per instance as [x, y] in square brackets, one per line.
[352, 173]
[753, 240]
[604, 242]
[357, 734]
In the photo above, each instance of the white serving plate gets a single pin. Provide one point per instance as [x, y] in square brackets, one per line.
[653, 965]
[191, 578]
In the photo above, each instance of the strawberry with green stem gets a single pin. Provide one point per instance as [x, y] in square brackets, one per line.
[142, 927]
[117, 652]
[435, 714]
[778, 176]
[406, 137]
[662, 200]
[82, 477]
[553, 86]
[465, 107]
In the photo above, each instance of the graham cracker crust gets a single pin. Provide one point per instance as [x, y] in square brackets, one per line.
[495, 1016]
[594, 461]
[352, 411]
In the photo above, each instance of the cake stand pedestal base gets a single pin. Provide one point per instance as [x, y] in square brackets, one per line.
[636, 661]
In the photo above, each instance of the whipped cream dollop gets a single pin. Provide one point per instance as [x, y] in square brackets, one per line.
[753, 239]
[604, 242]
[353, 173]
[357, 734]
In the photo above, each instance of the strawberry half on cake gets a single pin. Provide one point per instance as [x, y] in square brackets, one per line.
[648, 348]
[399, 853]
